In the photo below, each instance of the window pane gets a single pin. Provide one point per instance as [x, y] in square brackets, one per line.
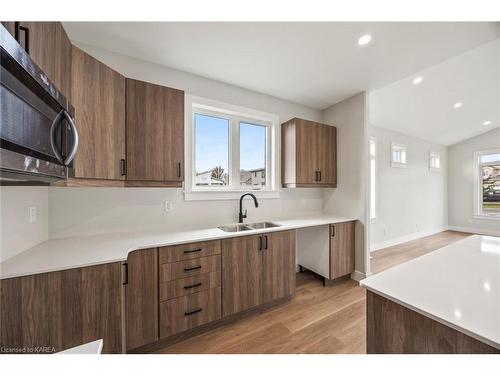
[252, 155]
[491, 188]
[211, 150]
[490, 158]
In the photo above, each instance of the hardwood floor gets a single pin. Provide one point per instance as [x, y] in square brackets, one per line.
[317, 320]
[394, 255]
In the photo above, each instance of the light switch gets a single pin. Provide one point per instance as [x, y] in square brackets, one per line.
[32, 214]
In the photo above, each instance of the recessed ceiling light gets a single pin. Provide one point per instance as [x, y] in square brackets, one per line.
[364, 40]
[487, 123]
[418, 80]
[457, 105]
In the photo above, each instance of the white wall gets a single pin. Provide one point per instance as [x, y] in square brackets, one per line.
[85, 211]
[461, 183]
[349, 198]
[16, 232]
[411, 202]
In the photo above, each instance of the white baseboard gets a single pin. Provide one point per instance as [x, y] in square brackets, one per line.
[358, 276]
[409, 237]
[486, 232]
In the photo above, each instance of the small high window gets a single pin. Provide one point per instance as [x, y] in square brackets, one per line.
[434, 161]
[398, 155]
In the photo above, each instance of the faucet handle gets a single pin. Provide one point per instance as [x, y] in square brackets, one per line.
[245, 214]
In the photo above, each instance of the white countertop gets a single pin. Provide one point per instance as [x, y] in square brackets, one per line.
[457, 285]
[74, 252]
[94, 347]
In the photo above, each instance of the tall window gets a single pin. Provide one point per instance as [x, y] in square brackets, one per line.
[232, 151]
[488, 183]
[373, 166]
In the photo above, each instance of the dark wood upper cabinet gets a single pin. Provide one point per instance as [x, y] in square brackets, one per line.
[308, 154]
[98, 95]
[60, 310]
[141, 298]
[49, 47]
[342, 248]
[155, 132]
[257, 270]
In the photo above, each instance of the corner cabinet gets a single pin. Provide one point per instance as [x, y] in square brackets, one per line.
[155, 134]
[308, 154]
[98, 95]
[257, 270]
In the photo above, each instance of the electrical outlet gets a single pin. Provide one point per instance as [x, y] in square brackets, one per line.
[167, 206]
[32, 214]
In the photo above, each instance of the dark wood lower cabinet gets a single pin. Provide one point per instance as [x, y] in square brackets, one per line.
[342, 248]
[394, 329]
[50, 312]
[141, 298]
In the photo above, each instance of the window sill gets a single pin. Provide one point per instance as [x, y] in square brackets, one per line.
[487, 217]
[218, 195]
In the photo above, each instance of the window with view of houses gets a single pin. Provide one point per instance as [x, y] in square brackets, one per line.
[488, 181]
[230, 152]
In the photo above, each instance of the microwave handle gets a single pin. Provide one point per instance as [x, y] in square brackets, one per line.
[53, 141]
[74, 147]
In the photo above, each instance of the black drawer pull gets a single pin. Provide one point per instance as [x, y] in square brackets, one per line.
[192, 312]
[191, 251]
[192, 268]
[192, 286]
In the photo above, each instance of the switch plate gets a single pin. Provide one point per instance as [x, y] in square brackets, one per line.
[167, 206]
[32, 214]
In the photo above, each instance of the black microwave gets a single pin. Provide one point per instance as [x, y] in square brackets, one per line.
[38, 137]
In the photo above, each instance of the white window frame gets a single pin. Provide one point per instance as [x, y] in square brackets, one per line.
[373, 181]
[431, 167]
[235, 115]
[395, 163]
[478, 185]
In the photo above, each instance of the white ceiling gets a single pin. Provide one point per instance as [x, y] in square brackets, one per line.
[315, 64]
[426, 110]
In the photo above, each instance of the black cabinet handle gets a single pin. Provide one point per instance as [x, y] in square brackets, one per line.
[260, 242]
[319, 175]
[193, 312]
[17, 31]
[333, 230]
[265, 247]
[192, 286]
[191, 251]
[178, 169]
[123, 167]
[192, 268]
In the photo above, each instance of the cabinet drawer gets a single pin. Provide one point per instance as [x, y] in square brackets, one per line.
[183, 313]
[189, 285]
[169, 254]
[198, 266]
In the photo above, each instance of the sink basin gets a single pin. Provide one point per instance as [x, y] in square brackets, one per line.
[262, 225]
[235, 228]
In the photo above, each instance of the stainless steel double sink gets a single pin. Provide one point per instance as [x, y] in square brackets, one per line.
[250, 226]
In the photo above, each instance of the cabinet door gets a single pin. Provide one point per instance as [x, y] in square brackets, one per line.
[328, 151]
[307, 137]
[59, 310]
[155, 132]
[98, 95]
[141, 298]
[278, 265]
[342, 237]
[241, 274]
[49, 48]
